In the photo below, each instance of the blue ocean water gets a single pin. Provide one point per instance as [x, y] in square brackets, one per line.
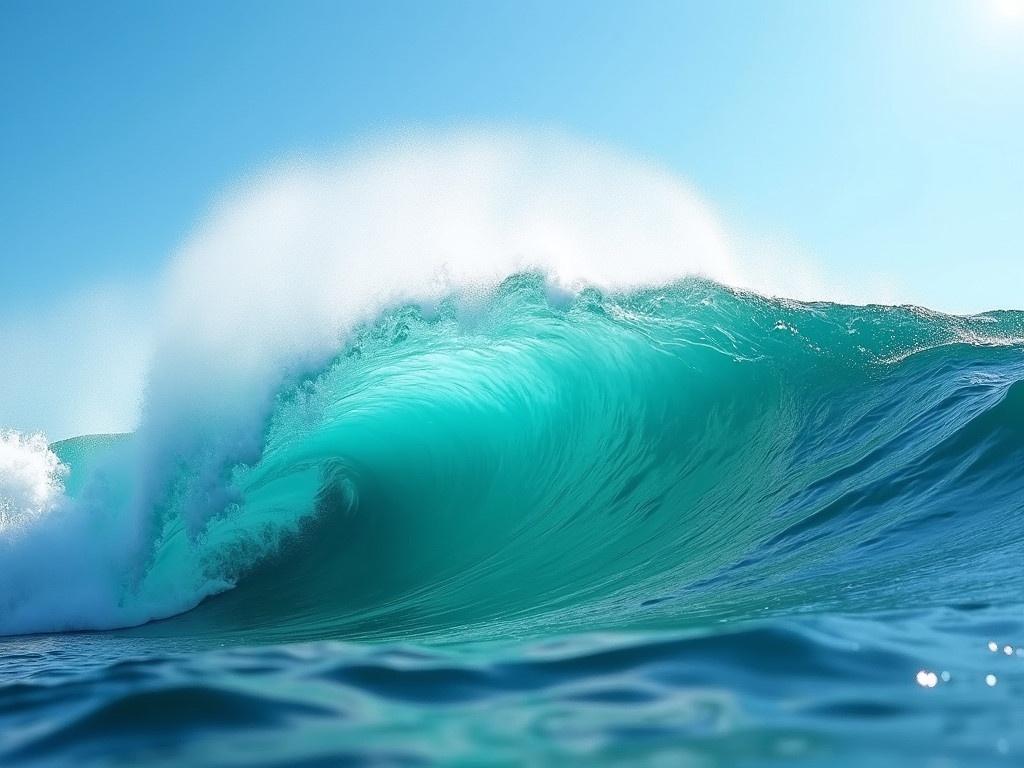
[676, 526]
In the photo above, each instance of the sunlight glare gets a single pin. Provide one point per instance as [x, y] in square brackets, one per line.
[1009, 10]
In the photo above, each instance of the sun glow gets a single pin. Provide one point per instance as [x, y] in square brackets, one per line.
[1009, 10]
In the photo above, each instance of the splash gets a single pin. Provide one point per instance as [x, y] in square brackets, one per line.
[30, 480]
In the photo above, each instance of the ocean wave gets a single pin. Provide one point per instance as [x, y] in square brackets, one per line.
[532, 461]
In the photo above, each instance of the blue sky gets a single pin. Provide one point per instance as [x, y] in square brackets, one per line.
[872, 137]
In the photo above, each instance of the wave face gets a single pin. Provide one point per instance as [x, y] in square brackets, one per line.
[660, 466]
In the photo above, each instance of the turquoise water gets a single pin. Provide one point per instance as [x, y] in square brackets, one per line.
[682, 525]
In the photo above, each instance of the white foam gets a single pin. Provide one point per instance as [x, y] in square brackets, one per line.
[30, 480]
[52, 563]
[300, 253]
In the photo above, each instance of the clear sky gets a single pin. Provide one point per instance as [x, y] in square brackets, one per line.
[873, 137]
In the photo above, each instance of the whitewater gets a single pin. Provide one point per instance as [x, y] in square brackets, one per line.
[492, 447]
